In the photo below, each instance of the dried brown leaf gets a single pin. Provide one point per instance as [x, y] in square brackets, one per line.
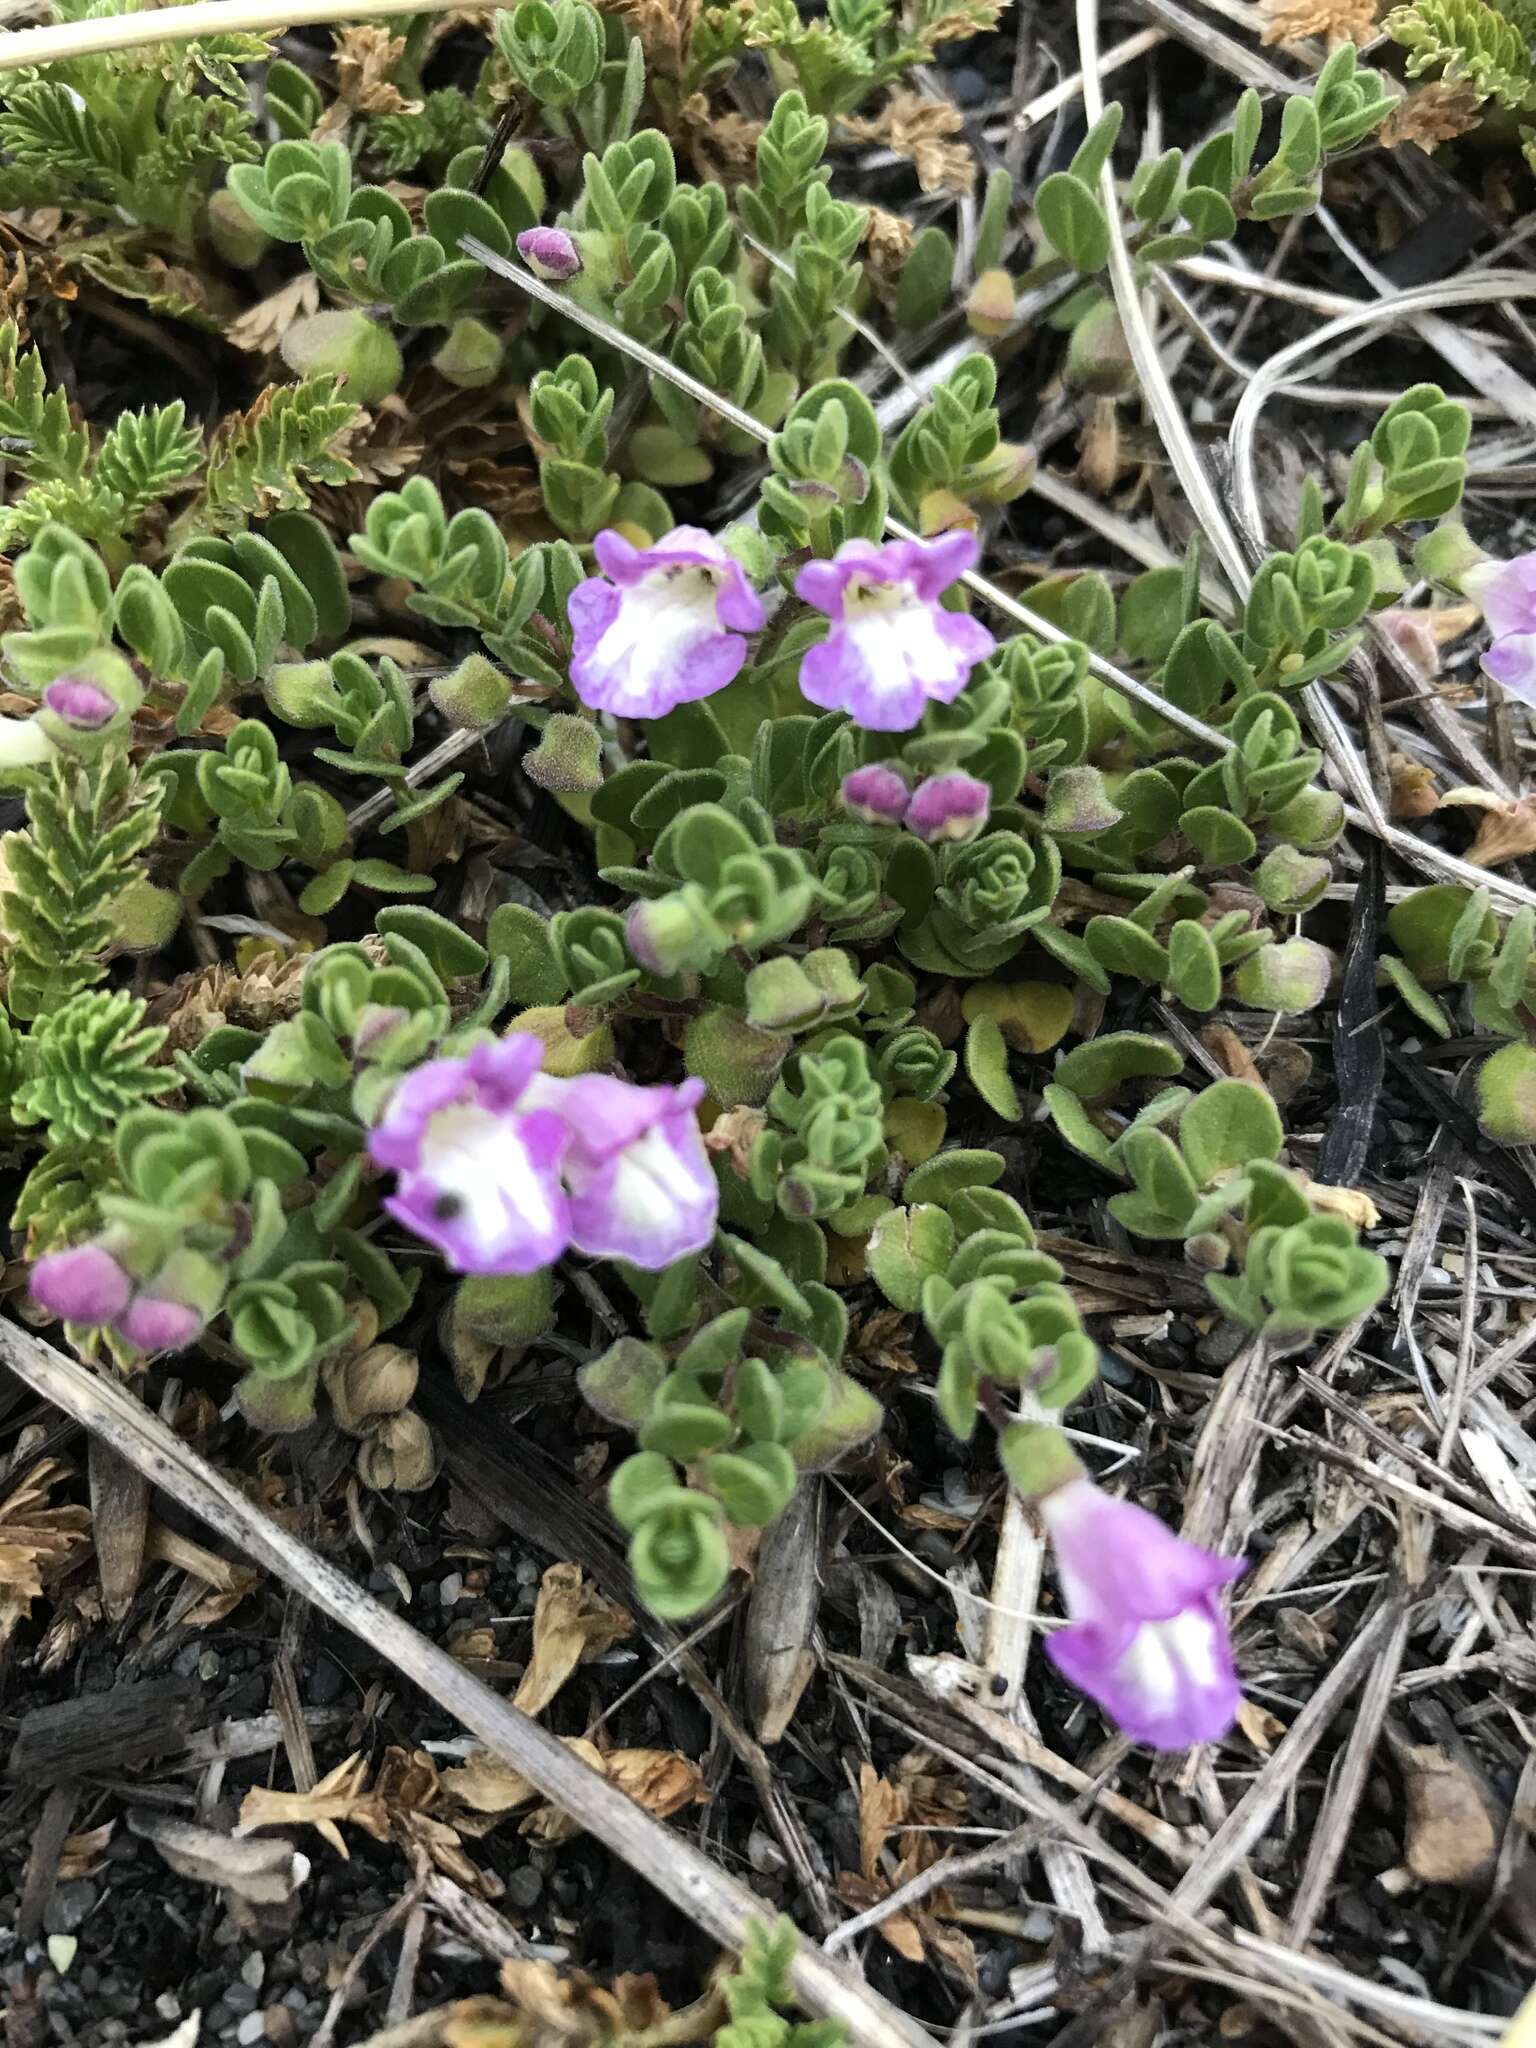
[1505, 834]
[338, 1796]
[882, 1806]
[366, 54]
[734, 1132]
[660, 1780]
[1340, 21]
[922, 129]
[1451, 1834]
[38, 1543]
[1436, 113]
[1413, 787]
[260, 328]
[81, 1854]
[572, 1623]
[1262, 1728]
[887, 245]
[264, 1873]
[569, 2005]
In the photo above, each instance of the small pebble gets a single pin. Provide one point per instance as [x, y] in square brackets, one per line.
[251, 2029]
[523, 1886]
[66, 1911]
[450, 1589]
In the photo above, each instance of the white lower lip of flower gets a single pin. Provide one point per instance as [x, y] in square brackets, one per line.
[651, 1180]
[658, 623]
[478, 1163]
[899, 643]
[23, 743]
[1167, 1660]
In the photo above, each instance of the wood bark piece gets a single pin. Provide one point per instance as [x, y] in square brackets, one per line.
[786, 1591]
[103, 1732]
[715, 1901]
[119, 1525]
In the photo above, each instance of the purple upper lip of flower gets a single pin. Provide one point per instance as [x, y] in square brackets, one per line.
[1147, 1638]
[893, 647]
[1507, 593]
[661, 626]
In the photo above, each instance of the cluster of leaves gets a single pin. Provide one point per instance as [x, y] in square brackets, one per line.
[258, 463]
[140, 136]
[742, 1427]
[1204, 1170]
[1176, 208]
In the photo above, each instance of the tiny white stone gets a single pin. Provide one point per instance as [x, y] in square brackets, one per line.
[61, 1951]
[251, 2029]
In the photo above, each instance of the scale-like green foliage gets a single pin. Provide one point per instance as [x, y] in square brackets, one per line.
[1474, 43]
[87, 824]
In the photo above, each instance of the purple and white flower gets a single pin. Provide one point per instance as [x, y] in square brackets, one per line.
[1507, 593]
[479, 1174]
[1147, 1639]
[893, 648]
[876, 795]
[638, 1177]
[661, 626]
[950, 807]
[549, 253]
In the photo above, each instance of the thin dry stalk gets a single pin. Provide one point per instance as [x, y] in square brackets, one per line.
[1346, 1787]
[21, 47]
[716, 1902]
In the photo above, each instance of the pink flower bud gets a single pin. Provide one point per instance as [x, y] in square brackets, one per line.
[876, 795]
[153, 1322]
[549, 253]
[82, 705]
[949, 807]
[85, 1285]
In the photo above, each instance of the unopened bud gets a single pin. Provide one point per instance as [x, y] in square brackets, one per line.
[1445, 556]
[876, 795]
[990, 308]
[85, 1285]
[241, 241]
[345, 344]
[81, 705]
[549, 253]
[474, 696]
[949, 807]
[1098, 355]
[471, 355]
